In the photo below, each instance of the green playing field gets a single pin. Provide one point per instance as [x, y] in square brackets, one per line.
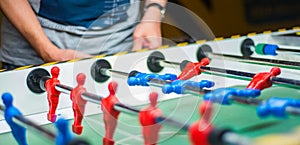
[240, 118]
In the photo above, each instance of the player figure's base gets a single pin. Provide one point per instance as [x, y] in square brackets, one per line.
[51, 117]
[107, 141]
[77, 129]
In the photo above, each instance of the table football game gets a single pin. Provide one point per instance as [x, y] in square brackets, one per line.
[238, 90]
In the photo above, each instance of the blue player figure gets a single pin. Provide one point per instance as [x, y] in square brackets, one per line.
[64, 135]
[142, 79]
[178, 86]
[10, 112]
[277, 107]
[223, 95]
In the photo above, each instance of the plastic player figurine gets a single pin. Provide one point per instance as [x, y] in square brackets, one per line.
[263, 80]
[142, 79]
[78, 104]
[10, 112]
[52, 93]
[110, 115]
[223, 95]
[192, 69]
[63, 136]
[277, 107]
[200, 130]
[147, 117]
[178, 86]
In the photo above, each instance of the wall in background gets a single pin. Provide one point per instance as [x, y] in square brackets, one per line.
[231, 17]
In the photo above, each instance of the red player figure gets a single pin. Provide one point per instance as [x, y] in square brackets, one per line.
[263, 80]
[78, 104]
[192, 69]
[147, 118]
[52, 93]
[110, 115]
[200, 130]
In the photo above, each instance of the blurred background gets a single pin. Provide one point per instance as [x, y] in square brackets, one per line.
[231, 17]
[227, 17]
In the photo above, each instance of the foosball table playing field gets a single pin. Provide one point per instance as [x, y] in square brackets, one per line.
[242, 90]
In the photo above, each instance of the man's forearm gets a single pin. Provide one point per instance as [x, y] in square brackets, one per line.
[148, 32]
[21, 15]
[154, 13]
[161, 2]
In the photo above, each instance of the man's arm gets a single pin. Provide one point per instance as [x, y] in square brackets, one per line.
[21, 15]
[148, 32]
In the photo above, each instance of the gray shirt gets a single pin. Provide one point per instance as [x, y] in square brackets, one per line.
[93, 40]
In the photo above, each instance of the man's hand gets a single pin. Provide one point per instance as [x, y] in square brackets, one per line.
[20, 13]
[57, 54]
[148, 32]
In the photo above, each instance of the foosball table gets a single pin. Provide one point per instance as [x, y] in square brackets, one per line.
[241, 90]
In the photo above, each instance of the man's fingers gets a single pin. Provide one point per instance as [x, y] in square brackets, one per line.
[68, 54]
[82, 55]
[153, 42]
[137, 44]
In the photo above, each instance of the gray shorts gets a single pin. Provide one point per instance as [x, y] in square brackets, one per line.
[116, 38]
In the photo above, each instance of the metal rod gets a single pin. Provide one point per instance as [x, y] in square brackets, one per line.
[165, 63]
[63, 88]
[43, 82]
[281, 50]
[238, 58]
[247, 101]
[85, 96]
[2, 108]
[22, 121]
[119, 72]
[92, 97]
[227, 71]
[157, 82]
[279, 80]
[276, 80]
[235, 139]
[162, 119]
[255, 102]
[187, 89]
[31, 124]
[293, 110]
[121, 107]
[110, 72]
[96, 99]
